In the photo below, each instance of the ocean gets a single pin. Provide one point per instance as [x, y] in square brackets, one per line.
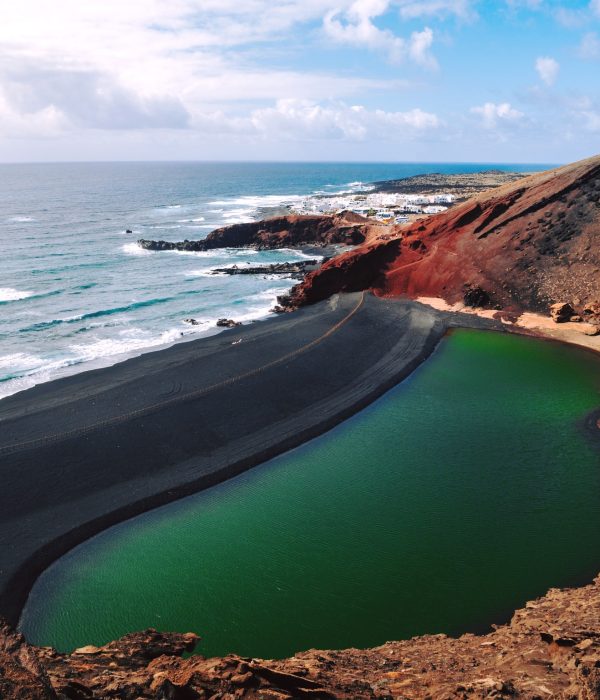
[76, 291]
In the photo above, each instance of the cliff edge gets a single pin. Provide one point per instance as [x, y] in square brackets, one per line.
[550, 649]
[522, 246]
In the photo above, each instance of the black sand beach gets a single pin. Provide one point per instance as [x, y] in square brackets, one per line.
[85, 452]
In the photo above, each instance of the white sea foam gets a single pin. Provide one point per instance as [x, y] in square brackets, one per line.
[134, 249]
[220, 252]
[20, 219]
[260, 304]
[204, 273]
[30, 370]
[130, 340]
[165, 227]
[238, 215]
[19, 362]
[10, 294]
[268, 200]
[300, 254]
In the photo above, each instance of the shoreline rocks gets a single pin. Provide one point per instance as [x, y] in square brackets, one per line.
[561, 312]
[296, 270]
[292, 231]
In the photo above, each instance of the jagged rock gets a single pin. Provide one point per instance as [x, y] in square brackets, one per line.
[591, 312]
[191, 321]
[561, 312]
[228, 323]
[550, 649]
[22, 675]
[293, 231]
[476, 297]
[296, 269]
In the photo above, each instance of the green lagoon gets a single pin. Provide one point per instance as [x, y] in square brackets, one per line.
[467, 490]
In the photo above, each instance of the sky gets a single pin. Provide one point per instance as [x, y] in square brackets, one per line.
[326, 80]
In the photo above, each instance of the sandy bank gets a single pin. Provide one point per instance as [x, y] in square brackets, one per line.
[527, 322]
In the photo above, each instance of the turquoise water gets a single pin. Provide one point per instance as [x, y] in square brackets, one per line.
[75, 289]
[467, 490]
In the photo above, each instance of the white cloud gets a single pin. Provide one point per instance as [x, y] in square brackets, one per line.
[412, 9]
[591, 120]
[153, 64]
[530, 4]
[570, 17]
[356, 27]
[589, 48]
[494, 115]
[595, 7]
[302, 119]
[47, 122]
[547, 68]
[418, 49]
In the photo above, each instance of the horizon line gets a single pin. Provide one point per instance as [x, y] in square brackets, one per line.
[281, 162]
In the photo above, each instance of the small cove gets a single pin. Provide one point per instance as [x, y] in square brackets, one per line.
[462, 493]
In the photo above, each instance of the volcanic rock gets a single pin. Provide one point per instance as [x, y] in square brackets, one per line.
[561, 312]
[476, 297]
[550, 649]
[526, 243]
[293, 231]
[228, 323]
[296, 269]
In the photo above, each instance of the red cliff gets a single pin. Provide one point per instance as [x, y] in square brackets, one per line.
[523, 245]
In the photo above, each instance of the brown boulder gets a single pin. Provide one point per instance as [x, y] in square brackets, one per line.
[22, 676]
[561, 312]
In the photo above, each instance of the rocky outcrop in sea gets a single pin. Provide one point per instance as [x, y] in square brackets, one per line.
[293, 231]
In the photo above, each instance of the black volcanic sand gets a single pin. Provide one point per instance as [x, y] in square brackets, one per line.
[81, 453]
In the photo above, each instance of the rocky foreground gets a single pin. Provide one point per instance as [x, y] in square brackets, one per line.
[550, 649]
[523, 246]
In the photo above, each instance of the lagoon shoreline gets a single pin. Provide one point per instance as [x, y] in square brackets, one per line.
[94, 449]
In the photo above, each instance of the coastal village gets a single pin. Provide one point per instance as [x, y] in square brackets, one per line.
[383, 207]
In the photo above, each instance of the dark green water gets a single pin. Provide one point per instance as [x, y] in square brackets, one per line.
[461, 494]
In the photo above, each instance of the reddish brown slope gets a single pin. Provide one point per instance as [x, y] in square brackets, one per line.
[527, 244]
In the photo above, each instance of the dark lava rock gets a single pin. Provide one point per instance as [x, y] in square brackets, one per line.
[228, 323]
[293, 231]
[476, 297]
[561, 312]
[296, 269]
